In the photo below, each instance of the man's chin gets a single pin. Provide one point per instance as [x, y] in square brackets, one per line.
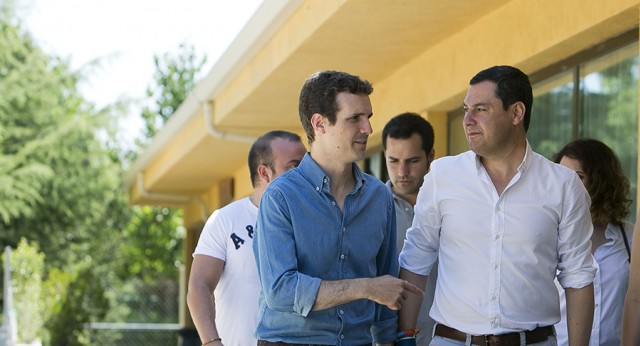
[402, 189]
[360, 155]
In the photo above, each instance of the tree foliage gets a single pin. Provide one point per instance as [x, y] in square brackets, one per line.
[61, 174]
[59, 180]
[81, 298]
[154, 235]
[175, 77]
[27, 272]
[21, 174]
[152, 246]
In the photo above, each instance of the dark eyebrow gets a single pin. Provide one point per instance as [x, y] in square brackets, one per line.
[407, 159]
[476, 104]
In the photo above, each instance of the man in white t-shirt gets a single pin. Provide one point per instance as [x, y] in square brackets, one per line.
[224, 285]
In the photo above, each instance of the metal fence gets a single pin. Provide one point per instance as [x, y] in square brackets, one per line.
[8, 329]
[152, 318]
[146, 314]
[126, 334]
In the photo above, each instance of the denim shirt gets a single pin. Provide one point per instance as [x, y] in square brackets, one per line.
[302, 237]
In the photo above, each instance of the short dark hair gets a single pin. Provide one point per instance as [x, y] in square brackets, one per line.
[606, 183]
[318, 95]
[404, 125]
[261, 154]
[512, 85]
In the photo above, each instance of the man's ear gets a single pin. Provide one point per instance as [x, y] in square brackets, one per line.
[264, 173]
[518, 110]
[432, 155]
[318, 122]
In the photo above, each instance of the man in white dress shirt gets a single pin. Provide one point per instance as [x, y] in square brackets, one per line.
[502, 220]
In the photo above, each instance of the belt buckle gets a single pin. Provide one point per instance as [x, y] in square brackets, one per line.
[486, 339]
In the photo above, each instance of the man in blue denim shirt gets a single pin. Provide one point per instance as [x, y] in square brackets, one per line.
[325, 241]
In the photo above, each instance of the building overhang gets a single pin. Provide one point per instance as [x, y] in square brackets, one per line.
[254, 86]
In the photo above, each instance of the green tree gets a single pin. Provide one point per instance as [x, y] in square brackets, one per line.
[60, 187]
[60, 178]
[21, 175]
[27, 271]
[81, 298]
[175, 77]
[152, 241]
[62, 181]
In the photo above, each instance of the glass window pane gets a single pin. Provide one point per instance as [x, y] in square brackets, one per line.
[551, 120]
[609, 106]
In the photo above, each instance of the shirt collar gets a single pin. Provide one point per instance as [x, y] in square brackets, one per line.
[613, 232]
[316, 176]
[390, 187]
[396, 197]
[526, 161]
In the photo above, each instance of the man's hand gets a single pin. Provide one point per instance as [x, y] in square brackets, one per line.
[391, 291]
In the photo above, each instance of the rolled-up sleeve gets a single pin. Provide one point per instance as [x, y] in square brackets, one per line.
[284, 288]
[576, 268]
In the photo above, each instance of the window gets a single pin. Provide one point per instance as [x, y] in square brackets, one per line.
[593, 99]
[552, 116]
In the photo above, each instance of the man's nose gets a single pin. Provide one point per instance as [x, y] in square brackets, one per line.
[366, 127]
[469, 118]
[404, 169]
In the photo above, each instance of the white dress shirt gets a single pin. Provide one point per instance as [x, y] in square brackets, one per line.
[609, 287]
[499, 253]
[404, 217]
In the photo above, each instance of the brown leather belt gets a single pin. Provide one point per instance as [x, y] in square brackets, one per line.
[537, 335]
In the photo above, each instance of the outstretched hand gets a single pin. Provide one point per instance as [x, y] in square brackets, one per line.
[390, 291]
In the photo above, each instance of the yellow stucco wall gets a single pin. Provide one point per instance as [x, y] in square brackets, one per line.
[242, 182]
[518, 33]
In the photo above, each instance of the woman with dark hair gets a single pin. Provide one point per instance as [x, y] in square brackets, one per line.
[602, 175]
